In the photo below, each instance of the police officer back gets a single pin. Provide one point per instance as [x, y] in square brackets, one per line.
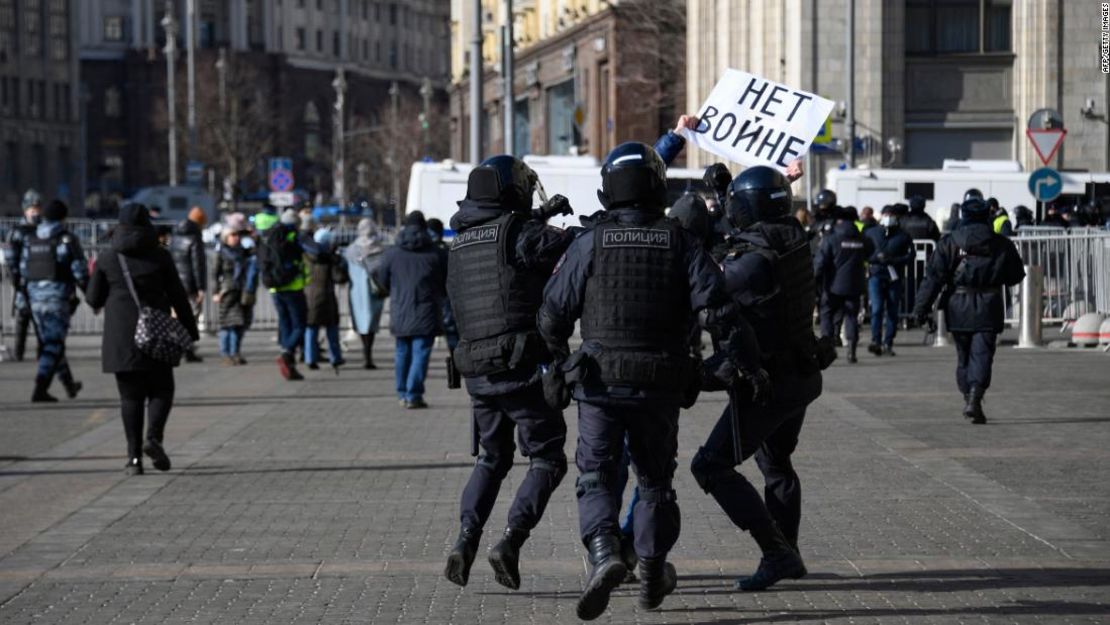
[634, 278]
[839, 267]
[769, 274]
[498, 264]
[52, 266]
[967, 272]
[21, 308]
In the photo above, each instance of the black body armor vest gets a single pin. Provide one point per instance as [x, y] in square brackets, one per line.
[42, 259]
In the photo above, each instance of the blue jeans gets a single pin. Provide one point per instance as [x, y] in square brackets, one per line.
[292, 309]
[312, 344]
[886, 298]
[411, 365]
[230, 340]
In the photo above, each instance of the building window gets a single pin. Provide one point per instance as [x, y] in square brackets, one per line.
[66, 102]
[65, 169]
[319, 41]
[335, 43]
[377, 12]
[300, 39]
[378, 51]
[954, 27]
[113, 28]
[319, 5]
[365, 9]
[392, 14]
[11, 166]
[38, 166]
[311, 131]
[365, 49]
[113, 102]
[393, 55]
[560, 119]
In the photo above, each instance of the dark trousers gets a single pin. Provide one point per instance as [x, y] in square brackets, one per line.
[542, 434]
[715, 470]
[22, 326]
[149, 391]
[292, 311]
[975, 357]
[652, 432]
[838, 309]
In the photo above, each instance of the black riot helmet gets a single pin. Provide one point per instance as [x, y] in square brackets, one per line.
[917, 205]
[974, 194]
[758, 194]
[825, 200]
[974, 209]
[502, 181]
[633, 176]
[718, 177]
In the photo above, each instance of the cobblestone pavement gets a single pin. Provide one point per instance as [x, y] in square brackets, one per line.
[324, 502]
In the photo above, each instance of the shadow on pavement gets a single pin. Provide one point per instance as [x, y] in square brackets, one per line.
[1020, 608]
[202, 472]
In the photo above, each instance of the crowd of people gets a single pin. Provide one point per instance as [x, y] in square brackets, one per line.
[640, 280]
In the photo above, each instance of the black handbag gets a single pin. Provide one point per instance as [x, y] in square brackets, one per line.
[157, 335]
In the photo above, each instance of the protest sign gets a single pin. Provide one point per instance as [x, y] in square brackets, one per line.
[754, 121]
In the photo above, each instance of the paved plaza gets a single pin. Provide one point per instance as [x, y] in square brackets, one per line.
[325, 502]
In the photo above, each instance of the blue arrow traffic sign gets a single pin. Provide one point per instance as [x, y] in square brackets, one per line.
[1046, 184]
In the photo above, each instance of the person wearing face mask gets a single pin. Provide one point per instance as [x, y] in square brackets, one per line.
[893, 250]
[21, 307]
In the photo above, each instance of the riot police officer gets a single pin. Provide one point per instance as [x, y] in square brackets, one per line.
[634, 278]
[52, 266]
[769, 274]
[21, 308]
[825, 212]
[498, 264]
[840, 270]
[967, 272]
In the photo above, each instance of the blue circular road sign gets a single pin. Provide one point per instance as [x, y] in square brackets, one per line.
[1046, 184]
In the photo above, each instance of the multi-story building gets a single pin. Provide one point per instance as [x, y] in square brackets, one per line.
[39, 129]
[279, 64]
[587, 74]
[933, 79]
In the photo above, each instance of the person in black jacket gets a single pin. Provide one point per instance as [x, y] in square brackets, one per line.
[414, 272]
[967, 272]
[839, 268]
[21, 307]
[892, 252]
[497, 267]
[143, 383]
[917, 223]
[635, 279]
[187, 247]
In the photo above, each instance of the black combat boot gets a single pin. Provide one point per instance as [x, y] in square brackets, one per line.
[629, 557]
[657, 580]
[852, 354]
[875, 348]
[153, 449]
[967, 406]
[780, 561]
[368, 352]
[40, 395]
[974, 409]
[462, 556]
[505, 558]
[606, 574]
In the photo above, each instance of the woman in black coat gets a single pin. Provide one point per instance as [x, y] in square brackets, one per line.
[142, 381]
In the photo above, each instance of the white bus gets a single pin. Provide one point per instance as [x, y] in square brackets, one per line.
[436, 188]
[941, 188]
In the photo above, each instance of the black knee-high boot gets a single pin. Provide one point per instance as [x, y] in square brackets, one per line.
[368, 351]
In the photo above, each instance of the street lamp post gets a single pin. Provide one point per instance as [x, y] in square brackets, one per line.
[191, 70]
[395, 96]
[170, 26]
[425, 121]
[339, 186]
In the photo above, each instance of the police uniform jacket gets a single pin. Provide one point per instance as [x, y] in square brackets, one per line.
[919, 225]
[56, 292]
[970, 266]
[839, 263]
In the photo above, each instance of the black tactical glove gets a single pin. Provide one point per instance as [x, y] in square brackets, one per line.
[763, 392]
[718, 373]
[556, 205]
[556, 391]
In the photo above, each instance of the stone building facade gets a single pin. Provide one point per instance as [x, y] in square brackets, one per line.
[39, 119]
[942, 79]
[586, 76]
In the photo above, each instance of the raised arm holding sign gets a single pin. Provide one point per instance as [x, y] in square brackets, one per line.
[754, 121]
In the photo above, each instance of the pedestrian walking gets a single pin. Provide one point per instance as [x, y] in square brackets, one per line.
[52, 267]
[367, 296]
[326, 270]
[769, 275]
[966, 274]
[840, 271]
[144, 384]
[499, 262]
[236, 275]
[635, 279]
[892, 250]
[21, 307]
[282, 270]
[415, 273]
[187, 247]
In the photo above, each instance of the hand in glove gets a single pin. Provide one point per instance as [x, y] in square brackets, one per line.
[718, 373]
[762, 388]
[556, 391]
[556, 205]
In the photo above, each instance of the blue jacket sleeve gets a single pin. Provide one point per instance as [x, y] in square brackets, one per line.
[669, 146]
